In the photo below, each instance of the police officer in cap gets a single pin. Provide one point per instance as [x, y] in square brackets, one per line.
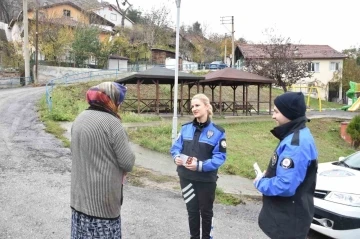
[288, 184]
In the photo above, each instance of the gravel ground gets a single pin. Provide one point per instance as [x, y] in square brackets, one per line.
[35, 186]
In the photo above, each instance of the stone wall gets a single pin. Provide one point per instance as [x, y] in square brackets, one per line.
[47, 73]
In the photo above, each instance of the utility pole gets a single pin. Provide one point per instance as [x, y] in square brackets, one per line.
[225, 50]
[36, 45]
[233, 42]
[26, 40]
[174, 122]
[230, 20]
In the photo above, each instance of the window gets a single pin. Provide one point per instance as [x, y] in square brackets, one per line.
[314, 66]
[66, 13]
[113, 17]
[334, 66]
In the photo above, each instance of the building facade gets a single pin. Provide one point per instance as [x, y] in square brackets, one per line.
[324, 63]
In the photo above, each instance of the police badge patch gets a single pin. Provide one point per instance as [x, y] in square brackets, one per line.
[209, 134]
[274, 159]
[222, 147]
[223, 144]
[287, 163]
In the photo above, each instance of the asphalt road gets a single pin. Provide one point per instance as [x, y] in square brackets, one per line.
[35, 187]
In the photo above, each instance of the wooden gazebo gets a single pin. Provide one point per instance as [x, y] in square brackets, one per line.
[157, 76]
[234, 78]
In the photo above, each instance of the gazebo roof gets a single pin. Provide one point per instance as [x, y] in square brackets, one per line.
[230, 76]
[164, 75]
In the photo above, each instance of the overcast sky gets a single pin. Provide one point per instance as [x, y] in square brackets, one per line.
[331, 22]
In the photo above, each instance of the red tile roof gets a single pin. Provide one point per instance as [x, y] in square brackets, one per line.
[304, 51]
[230, 76]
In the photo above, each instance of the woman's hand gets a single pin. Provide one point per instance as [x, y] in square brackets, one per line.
[178, 161]
[193, 165]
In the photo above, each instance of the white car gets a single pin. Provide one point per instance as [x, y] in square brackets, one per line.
[337, 198]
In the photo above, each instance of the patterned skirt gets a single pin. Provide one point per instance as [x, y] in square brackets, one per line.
[87, 227]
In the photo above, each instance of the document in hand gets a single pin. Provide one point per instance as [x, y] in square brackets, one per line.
[258, 172]
[186, 159]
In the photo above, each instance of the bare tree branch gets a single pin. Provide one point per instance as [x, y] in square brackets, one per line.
[279, 59]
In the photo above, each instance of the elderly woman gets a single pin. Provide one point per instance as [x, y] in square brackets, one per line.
[101, 156]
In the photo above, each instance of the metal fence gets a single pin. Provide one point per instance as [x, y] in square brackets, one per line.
[11, 82]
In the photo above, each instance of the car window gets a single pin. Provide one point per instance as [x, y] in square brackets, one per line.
[353, 160]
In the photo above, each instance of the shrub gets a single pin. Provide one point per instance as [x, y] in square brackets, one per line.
[353, 129]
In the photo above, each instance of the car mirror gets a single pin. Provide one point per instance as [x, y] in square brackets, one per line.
[341, 158]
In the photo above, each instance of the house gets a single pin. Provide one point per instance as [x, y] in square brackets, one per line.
[111, 13]
[325, 63]
[62, 14]
[164, 57]
[70, 14]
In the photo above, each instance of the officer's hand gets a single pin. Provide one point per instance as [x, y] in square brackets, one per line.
[193, 165]
[258, 177]
[178, 161]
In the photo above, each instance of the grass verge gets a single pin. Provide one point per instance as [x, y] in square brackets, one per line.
[227, 199]
[141, 177]
[249, 142]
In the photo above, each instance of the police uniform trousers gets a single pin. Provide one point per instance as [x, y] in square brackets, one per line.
[199, 198]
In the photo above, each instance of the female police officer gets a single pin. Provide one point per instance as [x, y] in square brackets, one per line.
[204, 144]
[289, 182]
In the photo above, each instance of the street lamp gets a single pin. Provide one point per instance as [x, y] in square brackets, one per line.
[174, 126]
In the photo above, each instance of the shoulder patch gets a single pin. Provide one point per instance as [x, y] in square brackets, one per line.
[221, 129]
[222, 145]
[274, 159]
[287, 163]
[190, 122]
[296, 138]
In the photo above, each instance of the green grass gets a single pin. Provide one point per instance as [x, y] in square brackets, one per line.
[68, 102]
[249, 142]
[227, 198]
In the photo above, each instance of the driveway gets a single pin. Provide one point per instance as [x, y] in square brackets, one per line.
[35, 186]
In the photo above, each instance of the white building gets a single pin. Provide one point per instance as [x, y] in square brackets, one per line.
[112, 14]
[325, 65]
[118, 63]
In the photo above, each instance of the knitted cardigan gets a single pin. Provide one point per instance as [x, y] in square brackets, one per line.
[100, 155]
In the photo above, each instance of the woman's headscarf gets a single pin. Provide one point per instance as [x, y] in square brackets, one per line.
[107, 96]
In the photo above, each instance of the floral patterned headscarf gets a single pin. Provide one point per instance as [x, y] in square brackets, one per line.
[107, 96]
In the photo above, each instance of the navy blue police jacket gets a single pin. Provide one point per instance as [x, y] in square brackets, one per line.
[289, 183]
[206, 142]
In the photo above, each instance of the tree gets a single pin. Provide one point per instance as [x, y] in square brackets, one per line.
[242, 40]
[86, 44]
[351, 72]
[4, 12]
[351, 67]
[280, 60]
[135, 15]
[9, 9]
[123, 10]
[54, 38]
[156, 28]
[195, 29]
[11, 55]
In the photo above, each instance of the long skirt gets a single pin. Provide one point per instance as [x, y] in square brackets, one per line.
[87, 227]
